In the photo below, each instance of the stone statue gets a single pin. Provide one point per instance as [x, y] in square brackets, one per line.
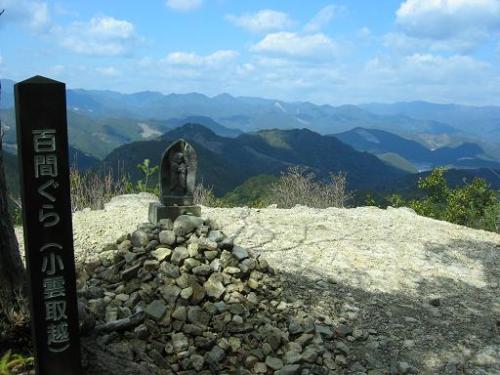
[178, 173]
[177, 181]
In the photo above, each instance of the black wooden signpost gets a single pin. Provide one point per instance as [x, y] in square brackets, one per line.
[42, 139]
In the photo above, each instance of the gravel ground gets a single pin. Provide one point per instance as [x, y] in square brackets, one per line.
[427, 290]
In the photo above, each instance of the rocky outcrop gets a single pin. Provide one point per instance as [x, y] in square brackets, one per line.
[181, 297]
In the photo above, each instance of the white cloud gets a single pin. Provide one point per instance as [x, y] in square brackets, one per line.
[315, 46]
[262, 21]
[449, 19]
[32, 14]
[323, 18]
[102, 35]
[424, 76]
[108, 71]
[192, 59]
[184, 5]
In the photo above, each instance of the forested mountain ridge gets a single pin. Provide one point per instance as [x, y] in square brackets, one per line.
[226, 163]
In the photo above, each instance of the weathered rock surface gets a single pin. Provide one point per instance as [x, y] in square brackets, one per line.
[415, 293]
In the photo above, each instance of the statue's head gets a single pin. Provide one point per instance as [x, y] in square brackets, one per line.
[178, 157]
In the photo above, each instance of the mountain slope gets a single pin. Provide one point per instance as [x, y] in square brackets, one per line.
[378, 142]
[206, 122]
[226, 163]
[485, 120]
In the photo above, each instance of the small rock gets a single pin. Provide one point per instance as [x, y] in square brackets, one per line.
[214, 286]
[341, 360]
[141, 332]
[340, 346]
[260, 368]
[180, 253]
[215, 235]
[155, 310]
[186, 292]
[203, 270]
[170, 293]
[343, 330]
[239, 252]
[197, 361]
[167, 237]
[235, 343]
[170, 270]
[139, 238]
[232, 270]
[216, 355]
[151, 265]
[131, 272]
[292, 357]
[111, 313]
[435, 301]
[161, 253]
[288, 370]
[198, 293]
[185, 224]
[274, 363]
[211, 254]
[197, 315]
[404, 367]
[180, 313]
[253, 284]
[180, 342]
[310, 354]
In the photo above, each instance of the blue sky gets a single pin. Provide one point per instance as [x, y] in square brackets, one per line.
[338, 52]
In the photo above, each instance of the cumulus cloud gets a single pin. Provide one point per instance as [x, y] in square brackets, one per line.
[109, 71]
[32, 14]
[425, 76]
[193, 60]
[323, 18]
[262, 21]
[449, 19]
[315, 46]
[184, 5]
[102, 35]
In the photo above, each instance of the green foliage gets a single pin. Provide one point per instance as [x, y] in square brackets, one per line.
[12, 362]
[466, 205]
[147, 171]
[396, 200]
[435, 185]
[369, 200]
[474, 204]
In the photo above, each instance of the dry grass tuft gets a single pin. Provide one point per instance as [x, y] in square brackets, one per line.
[296, 186]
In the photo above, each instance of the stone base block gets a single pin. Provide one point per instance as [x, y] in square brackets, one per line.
[158, 211]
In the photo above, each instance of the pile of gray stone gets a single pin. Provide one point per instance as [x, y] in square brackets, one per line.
[181, 298]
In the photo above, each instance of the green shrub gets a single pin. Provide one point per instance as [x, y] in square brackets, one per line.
[474, 204]
[396, 200]
[14, 362]
[148, 171]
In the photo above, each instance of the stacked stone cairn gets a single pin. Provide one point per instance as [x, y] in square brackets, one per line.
[181, 298]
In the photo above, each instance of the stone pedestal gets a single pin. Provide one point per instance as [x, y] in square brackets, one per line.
[158, 211]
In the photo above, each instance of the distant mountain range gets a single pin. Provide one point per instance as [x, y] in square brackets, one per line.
[433, 125]
[405, 137]
[381, 143]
